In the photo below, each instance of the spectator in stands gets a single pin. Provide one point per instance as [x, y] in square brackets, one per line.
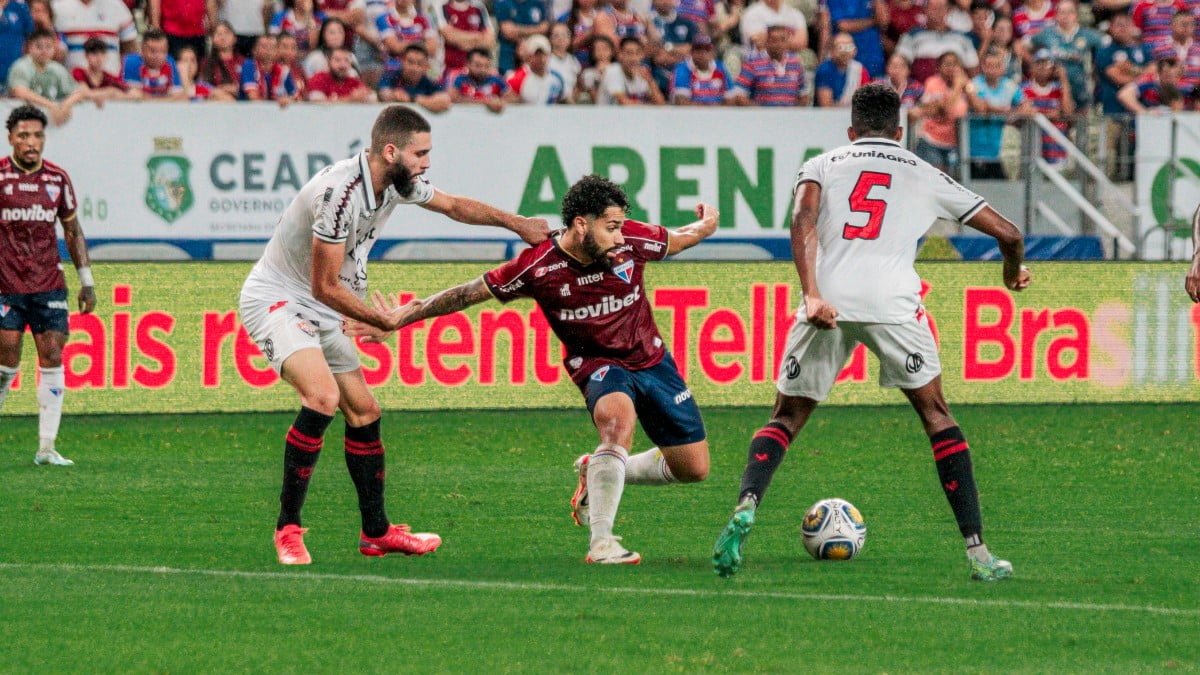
[1049, 92]
[943, 104]
[534, 83]
[185, 22]
[699, 13]
[1153, 18]
[702, 79]
[764, 14]
[248, 19]
[1118, 63]
[993, 97]
[1029, 19]
[478, 84]
[899, 78]
[1004, 42]
[983, 17]
[109, 20]
[287, 53]
[562, 61]
[332, 36]
[518, 19]
[193, 86]
[153, 71]
[43, 17]
[727, 16]
[1183, 46]
[222, 69]
[410, 84]
[840, 75]
[105, 86]
[403, 25]
[616, 21]
[38, 79]
[958, 16]
[630, 82]
[15, 25]
[264, 78]
[670, 42]
[339, 84]
[904, 16]
[581, 19]
[602, 57]
[1103, 11]
[300, 19]
[1159, 89]
[861, 19]
[774, 76]
[464, 26]
[1075, 48]
[923, 47]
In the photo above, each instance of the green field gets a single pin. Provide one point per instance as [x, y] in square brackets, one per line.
[154, 552]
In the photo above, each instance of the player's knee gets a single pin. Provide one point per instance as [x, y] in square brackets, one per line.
[614, 428]
[50, 356]
[693, 472]
[324, 401]
[363, 414]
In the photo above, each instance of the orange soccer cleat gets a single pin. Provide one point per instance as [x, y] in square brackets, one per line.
[289, 545]
[399, 539]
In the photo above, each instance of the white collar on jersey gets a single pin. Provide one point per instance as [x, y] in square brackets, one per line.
[876, 140]
[368, 190]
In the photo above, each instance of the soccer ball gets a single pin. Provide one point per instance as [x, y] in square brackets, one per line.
[833, 530]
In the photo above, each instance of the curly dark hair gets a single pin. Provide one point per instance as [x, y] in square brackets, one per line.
[590, 197]
[875, 111]
[25, 113]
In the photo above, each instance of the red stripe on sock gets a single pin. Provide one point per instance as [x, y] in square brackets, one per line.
[360, 448]
[304, 438]
[946, 443]
[961, 445]
[773, 434]
[298, 440]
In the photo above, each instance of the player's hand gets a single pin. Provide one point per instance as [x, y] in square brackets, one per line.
[1192, 281]
[820, 313]
[708, 213]
[1024, 277]
[87, 299]
[357, 329]
[532, 231]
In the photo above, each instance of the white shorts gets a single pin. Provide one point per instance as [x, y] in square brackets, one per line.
[907, 353]
[284, 326]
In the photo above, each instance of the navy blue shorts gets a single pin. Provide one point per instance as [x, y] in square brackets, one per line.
[42, 312]
[662, 400]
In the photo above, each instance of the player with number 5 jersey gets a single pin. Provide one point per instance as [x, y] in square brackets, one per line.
[858, 215]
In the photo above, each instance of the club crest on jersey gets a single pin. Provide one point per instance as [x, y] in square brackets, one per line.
[53, 191]
[598, 376]
[3, 310]
[624, 271]
[168, 189]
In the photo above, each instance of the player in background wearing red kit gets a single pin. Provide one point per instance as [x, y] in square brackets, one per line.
[33, 291]
[587, 279]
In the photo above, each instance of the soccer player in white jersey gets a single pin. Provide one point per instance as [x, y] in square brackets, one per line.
[312, 275]
[859, 213]
[1191, 282]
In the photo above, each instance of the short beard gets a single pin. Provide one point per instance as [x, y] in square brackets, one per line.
[401, 179]
[594, 251]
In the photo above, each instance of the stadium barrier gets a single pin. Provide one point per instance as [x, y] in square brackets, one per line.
[167, 338]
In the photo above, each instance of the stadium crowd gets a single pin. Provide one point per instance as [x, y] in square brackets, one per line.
[992, 60]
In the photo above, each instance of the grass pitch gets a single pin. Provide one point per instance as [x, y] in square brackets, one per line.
[154, 552]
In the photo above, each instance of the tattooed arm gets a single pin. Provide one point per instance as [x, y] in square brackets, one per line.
[444, 302]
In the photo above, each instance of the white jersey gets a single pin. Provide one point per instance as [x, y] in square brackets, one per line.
[877, 201]
[337, 205]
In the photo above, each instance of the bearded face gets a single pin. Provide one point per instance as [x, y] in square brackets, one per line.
[401, 179]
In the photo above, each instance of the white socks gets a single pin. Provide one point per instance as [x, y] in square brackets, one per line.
[648, 468]
[7, 375]
[605, 482]
[50, 402]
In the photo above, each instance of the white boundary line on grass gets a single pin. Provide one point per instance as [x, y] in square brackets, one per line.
[625, 590]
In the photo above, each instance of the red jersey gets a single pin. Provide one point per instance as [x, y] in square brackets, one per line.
[30, 203]
[106, 80]
[334, 89]
[468, 15]
[600, 313]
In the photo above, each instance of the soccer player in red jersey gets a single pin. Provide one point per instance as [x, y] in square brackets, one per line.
[587, 279]
[33, 292]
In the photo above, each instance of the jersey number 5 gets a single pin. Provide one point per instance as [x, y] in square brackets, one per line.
[861, 202]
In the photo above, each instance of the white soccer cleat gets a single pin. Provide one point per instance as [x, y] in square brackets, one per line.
[580, 512]
[609, 551]
[51, 457]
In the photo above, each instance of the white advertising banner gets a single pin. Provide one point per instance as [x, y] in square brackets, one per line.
[1167, 196]
[226, 172]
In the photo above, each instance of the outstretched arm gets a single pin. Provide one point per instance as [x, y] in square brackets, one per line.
[77, 247]
[1012, 246]
[683, 238]
[804, 254]
[474, 212]
[1192, 282]
[444, 302]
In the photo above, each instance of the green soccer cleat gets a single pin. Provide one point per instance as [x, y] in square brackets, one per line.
[992, 569]
[727, 552]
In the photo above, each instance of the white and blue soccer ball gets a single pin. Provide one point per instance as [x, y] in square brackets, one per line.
[833, 530]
